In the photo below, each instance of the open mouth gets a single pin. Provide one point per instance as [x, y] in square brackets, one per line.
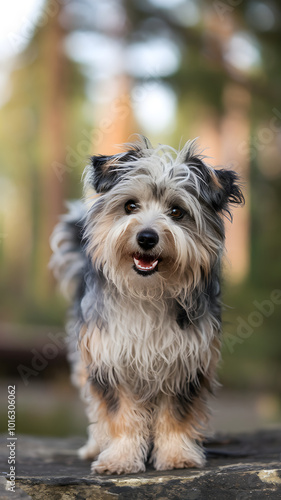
[145, 264]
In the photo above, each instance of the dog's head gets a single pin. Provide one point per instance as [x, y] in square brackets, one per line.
[156, 223]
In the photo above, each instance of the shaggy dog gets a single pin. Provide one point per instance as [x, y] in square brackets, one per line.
[141, 257]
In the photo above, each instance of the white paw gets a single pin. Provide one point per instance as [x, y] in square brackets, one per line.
[89, 451]
[111, 461]
[178, 462]
[177, 452]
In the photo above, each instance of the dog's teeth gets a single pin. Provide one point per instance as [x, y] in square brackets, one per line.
[143, 267]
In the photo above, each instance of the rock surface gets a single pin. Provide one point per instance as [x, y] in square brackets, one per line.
[239, 467]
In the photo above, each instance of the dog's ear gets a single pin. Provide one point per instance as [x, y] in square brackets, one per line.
[104, 172]
[225, 189]
[107, 171]
[219, 188]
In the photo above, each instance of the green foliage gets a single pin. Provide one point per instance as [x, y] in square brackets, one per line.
[34, 135]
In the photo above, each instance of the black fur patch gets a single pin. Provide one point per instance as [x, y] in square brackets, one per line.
[213, 294]
[107, 392]
[183, 401]
[182, 318]
[105, 171]
[157, 191]
[217, 197]
[101, 181]
[230, 192]
[92, 287]
[77, 229]
[206, 300]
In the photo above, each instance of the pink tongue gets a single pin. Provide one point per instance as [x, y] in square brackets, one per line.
[145, 264]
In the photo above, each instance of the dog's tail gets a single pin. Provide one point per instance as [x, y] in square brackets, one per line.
[68, 260]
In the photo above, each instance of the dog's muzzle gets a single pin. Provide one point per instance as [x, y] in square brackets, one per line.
[145, 263]
[147, 239]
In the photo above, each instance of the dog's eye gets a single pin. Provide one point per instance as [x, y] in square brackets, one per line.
[177, 213]
[130, 207]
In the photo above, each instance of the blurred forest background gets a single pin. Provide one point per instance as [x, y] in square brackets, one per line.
[78, 77]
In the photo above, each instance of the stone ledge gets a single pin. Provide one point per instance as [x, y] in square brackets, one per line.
[239, 467]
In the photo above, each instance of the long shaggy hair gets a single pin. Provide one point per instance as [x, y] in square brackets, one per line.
[140, 259]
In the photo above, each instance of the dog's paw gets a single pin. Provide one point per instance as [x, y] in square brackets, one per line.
[101, 467]
[89, 451]
[111, 461]
[177, 463]
[177, 452]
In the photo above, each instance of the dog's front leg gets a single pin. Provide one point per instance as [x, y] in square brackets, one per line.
[122, 433]
[176, 435]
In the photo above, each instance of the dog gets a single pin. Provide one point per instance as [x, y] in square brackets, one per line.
[140, 259]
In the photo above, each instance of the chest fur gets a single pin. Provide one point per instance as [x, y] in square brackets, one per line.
[144, 347]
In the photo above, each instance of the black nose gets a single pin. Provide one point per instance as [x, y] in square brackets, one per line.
[147, 239]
